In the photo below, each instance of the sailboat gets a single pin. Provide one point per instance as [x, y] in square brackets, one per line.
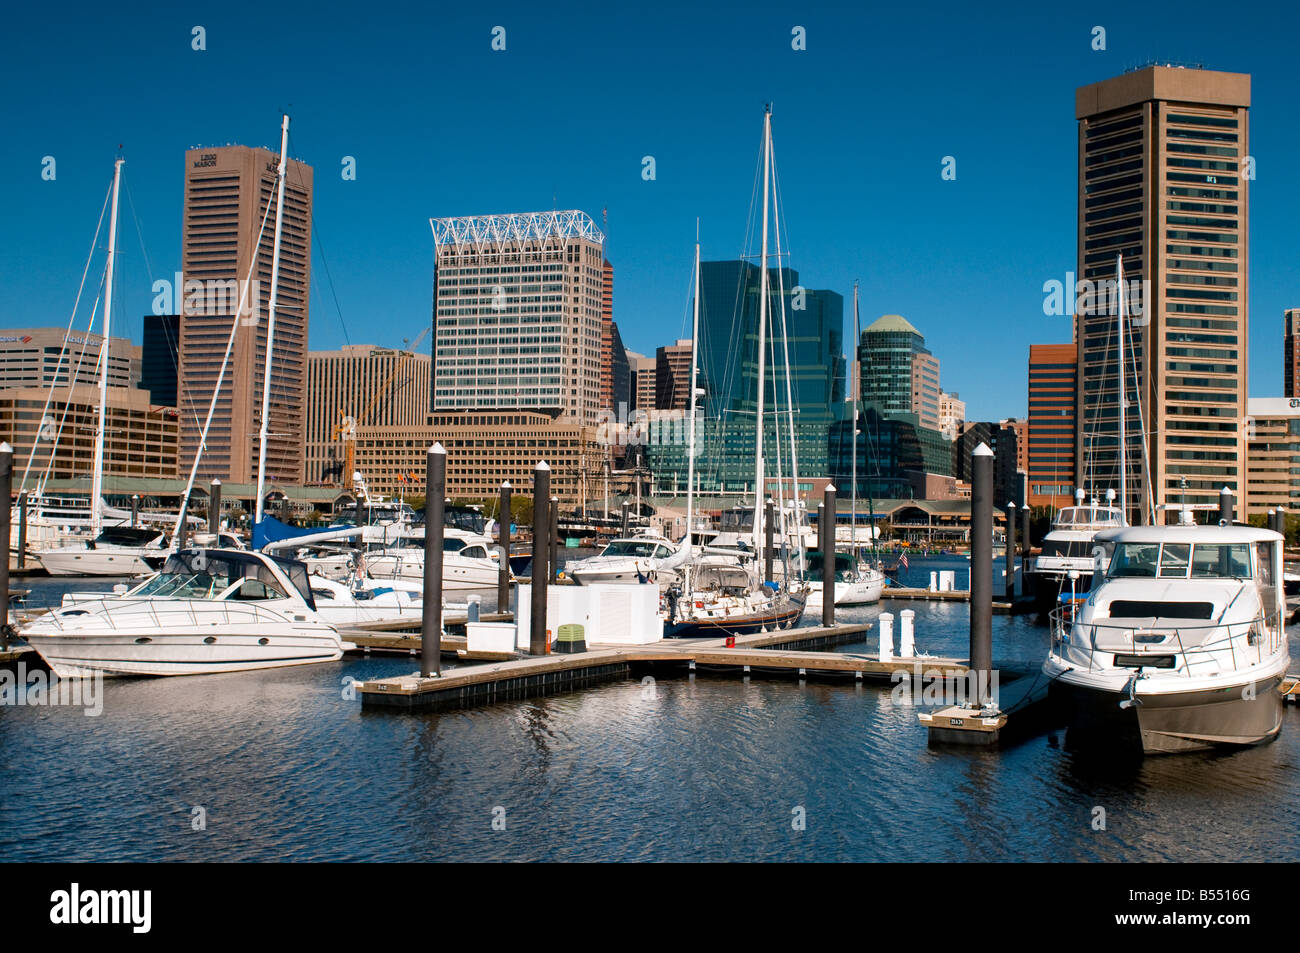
[118, 550]
[855, 584]
[209, 609]
[720, 596]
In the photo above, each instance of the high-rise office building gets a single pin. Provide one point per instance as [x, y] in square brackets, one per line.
[1291, 353]
[607, 352]
[160, 358]
[673, 376]
[952, 414]
[1053, 395]
[40, 357]
[1272, 455]
[228, 192]
[644, 372]
[1164, 170]
[517, 314]
[358, 386]
[620, 373]
[899, 374]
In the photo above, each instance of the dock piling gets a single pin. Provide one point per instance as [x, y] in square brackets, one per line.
[1011, 551]
[767, 542]
[886, 636]
[827, 525]
[907, 633]
[435, 491]
[541, 548]
[135, 510]
[22, 528]
[554, 560]
[214, 508]
[503, 544]
[6, 486]
[624, 507]
[1226, 502]
[981, 571]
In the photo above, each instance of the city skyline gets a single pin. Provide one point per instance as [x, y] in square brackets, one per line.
[863, 200]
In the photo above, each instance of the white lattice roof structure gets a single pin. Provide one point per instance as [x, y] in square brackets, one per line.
[497, 232]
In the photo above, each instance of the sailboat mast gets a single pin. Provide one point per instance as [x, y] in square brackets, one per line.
[853, 453]
[270, 323]
[97, 475]
[762, 339]
[1123, 392]
[690, 444]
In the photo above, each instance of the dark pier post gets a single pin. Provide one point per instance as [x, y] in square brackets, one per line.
[981, 571]
[6, 487]
[541, 547]
[22, 528]
[828, 555]
[1225, 506]
[214, 508]
[1011, 550]
[435, 495]
[1272, 520]
[767, 543]
[554, 561]
[624, 507]
[1281, 520]
[1024, 531]
[135, 510]
[184, 529]
[503, 544]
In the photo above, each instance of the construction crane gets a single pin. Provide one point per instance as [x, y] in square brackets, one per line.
[346, 429]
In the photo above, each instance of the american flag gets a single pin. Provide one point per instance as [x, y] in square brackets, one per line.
[902, 561]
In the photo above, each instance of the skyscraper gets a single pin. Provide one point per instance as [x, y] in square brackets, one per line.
[899, 374]
[1053, 395]
[673, 376]
[1164, 172]
[1291, 353]
[160, 353]
[228, 191]
[517, 310]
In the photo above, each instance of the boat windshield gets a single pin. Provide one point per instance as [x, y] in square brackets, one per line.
[631, 547]
[1181, 560]
[1088, 517]
[206, 574]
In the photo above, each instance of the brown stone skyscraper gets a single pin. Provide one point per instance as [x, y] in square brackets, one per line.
[1291, 352]
[1164, 173]
[227, 192]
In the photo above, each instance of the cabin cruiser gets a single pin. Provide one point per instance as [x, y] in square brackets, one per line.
[468, 561]
[1069, 548]
[1181, 642]
[116, 551]
[634, 559]
[718, 599]
[855, 584]
[207, 611]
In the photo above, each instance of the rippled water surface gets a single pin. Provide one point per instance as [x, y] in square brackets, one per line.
[703, 769]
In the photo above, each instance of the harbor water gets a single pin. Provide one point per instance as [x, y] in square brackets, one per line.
[280, 765]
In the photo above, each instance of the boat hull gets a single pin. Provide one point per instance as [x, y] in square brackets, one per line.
[848, 593]
[1170, 722]
[784, 618]
[99, 562]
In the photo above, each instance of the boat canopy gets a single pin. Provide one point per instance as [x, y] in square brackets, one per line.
[203, 573]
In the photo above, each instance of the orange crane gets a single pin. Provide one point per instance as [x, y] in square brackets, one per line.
[346, 429]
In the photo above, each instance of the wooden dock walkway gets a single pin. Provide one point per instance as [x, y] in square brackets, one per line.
[789, 652]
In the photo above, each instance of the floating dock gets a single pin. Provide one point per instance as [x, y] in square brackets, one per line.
[788, 652]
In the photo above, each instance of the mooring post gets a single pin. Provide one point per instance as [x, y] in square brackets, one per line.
[828, 555]
[554, 562]
[981, 571]
[22, 528]
[1024, 534]
[214, 508]
[6, 487]
[1225, 506]
[503, 544]
[1011, 551]
[135, 510]
[184, 529]
[541, 547]
[1281, 522]
[435, 492]
[767, 543]
[624, 506]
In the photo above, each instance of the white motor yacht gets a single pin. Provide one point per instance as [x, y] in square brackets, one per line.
[207, 611]
[633, 559]
[855, 584]
[1068, 548]
[468, 561]
[1181, 642]
[116, 551]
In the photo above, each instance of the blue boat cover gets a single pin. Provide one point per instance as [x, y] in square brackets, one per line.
[271, 530]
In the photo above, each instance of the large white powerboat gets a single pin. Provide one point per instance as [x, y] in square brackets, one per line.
[468, 561]
[207, 611]
[1181, 643]
[116, 551]
[633, 559]
[1069, 548]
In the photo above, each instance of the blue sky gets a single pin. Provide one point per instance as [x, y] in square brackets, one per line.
[440, 124]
